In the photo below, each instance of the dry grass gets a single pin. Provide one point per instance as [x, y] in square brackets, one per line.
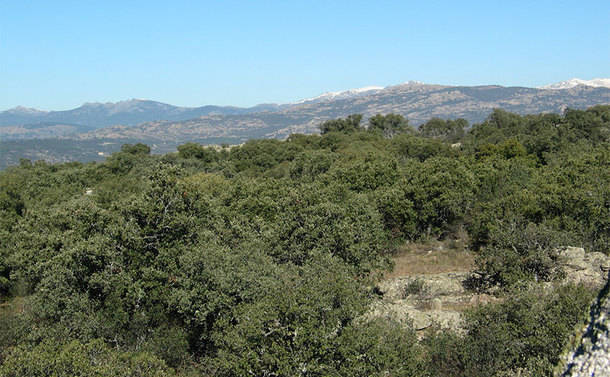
[431, 258]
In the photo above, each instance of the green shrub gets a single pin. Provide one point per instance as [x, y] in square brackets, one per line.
[519, 251]
[526, 333]
[78, 359]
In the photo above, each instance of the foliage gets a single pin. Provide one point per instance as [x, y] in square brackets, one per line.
[193, 150]
[518, 252]
[137, 149]
[389, 125]
[523, 335]
[415, 147]
[415, 287]
[346, 125]
[259, 258]
[451, 131]
[77, 359]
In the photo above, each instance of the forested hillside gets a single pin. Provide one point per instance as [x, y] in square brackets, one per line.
[263, 259]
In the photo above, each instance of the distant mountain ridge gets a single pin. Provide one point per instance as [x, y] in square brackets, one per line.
[418, 102]
[151, 120]
[136, 111]
[130, 112]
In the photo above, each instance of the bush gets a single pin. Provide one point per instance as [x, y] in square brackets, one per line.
[77, 359]
[347, 125]
[524, 334]
[519, 251]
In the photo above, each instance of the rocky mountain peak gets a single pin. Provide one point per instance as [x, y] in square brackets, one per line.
[572, 83]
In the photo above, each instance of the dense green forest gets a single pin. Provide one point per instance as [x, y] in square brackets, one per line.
[262, 259]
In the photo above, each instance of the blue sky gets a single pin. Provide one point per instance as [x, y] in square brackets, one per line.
[60, 54]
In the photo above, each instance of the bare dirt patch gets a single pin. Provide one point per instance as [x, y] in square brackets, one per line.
[432, 257]
[427, 285]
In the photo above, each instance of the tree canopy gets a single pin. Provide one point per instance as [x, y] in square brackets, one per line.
[261, 258]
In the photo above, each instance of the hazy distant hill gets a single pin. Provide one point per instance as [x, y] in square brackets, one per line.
[97, 115]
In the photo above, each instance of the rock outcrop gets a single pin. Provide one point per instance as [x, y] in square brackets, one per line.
[592, 356]
[587, 268]
[424, 300]
[427, 299]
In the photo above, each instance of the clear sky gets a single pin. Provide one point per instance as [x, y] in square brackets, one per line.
[56, 55]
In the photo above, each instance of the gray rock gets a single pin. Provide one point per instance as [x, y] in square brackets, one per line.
[573, 253]
[434, 304]
[444, 284]
[592, 357]
[586, 268]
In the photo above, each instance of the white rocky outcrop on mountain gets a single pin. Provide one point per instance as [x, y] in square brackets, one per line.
[596, 83]
[357, 92]
[343, 94]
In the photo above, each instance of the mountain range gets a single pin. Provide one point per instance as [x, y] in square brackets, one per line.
[161, 124]
[415, 100]
[131, 112]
